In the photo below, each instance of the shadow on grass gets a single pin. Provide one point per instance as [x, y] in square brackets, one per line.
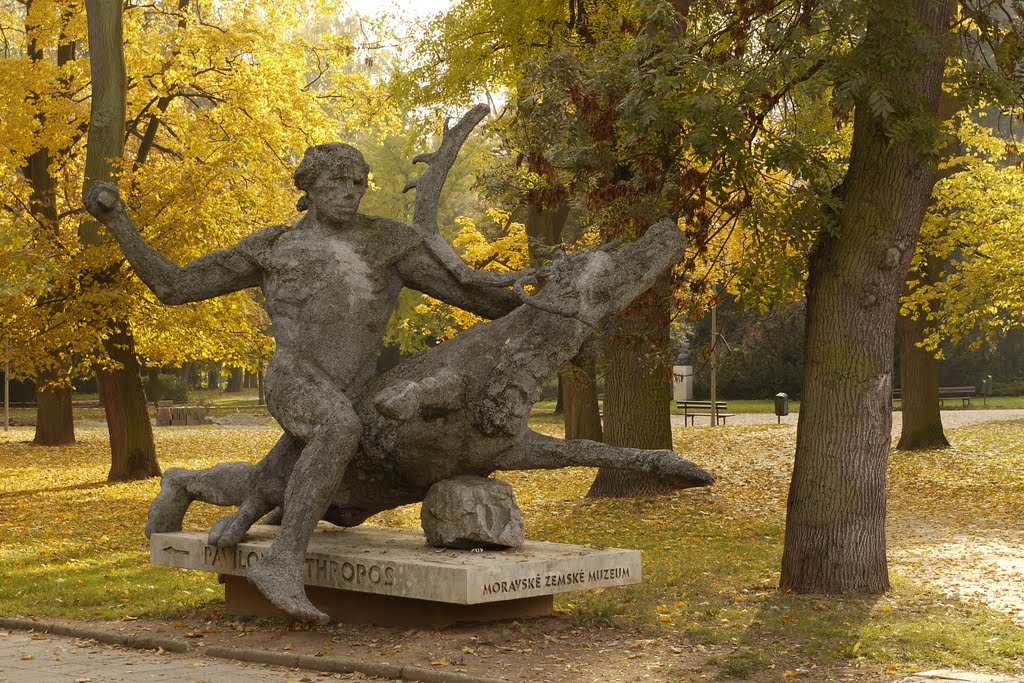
[60, 489]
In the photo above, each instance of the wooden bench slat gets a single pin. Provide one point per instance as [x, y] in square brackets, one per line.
[694, 409]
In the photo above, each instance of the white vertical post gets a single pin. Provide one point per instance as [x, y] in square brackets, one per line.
[7, 389]
[714, 366]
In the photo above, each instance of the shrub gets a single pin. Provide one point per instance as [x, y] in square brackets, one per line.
[172, 387]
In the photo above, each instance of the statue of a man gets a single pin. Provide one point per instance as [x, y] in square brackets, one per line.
[331, 283]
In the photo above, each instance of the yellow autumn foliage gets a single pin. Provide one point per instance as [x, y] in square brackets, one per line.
[420, 320]
[234, 92]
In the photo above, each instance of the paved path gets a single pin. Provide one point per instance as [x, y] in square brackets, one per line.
[950, 418]
[34, 657]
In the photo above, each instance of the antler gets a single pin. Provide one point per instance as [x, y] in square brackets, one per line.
[428, 185]
[428, 195]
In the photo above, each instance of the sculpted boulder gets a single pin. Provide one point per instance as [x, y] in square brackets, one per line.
[472, 512]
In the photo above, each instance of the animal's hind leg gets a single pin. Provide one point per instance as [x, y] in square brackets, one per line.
[265, 492]
[223, 484]
[539, 452]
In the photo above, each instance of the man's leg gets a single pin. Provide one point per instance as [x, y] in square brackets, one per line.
[330, 445]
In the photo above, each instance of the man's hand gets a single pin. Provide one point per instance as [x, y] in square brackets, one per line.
[103, 201]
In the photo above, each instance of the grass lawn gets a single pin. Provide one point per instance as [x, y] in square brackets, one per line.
[73, 546]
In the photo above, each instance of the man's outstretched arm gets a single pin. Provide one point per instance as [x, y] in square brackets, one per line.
[211, 275]
[420, 270]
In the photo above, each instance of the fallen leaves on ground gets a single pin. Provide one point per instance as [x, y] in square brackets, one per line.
[73, 546]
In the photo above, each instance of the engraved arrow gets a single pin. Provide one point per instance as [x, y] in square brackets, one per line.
[172, 551]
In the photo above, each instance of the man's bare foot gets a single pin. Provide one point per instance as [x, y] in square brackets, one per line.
[279, 579]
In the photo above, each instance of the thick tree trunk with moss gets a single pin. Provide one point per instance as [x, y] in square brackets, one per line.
[835, 522]
[637, 385]
[132, 450]
[919, 387]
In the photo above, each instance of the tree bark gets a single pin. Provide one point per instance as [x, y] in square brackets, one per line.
[919, 369]
[637, 386]
[54, 419]
[155, 391]
[234, 381]
[582, 415]
[132, 450]
[919, 386]
[212, 378]
[835, 522]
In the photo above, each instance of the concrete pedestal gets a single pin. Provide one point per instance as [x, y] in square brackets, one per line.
[352, 607]
[390, 577]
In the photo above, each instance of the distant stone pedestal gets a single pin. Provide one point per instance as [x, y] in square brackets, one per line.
[390, 577]
[169, 415]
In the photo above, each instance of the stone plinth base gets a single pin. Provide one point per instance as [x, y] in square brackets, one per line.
[384, 576]
[351, 607]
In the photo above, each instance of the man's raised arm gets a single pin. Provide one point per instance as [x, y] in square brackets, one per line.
[208, 276]
[421, 271]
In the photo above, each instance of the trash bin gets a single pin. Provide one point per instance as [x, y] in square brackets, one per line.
[986, 389]
[781, 405]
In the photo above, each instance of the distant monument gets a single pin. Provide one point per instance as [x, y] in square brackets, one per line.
[355, 444]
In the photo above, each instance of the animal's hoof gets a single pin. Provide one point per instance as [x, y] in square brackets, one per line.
[227, 531]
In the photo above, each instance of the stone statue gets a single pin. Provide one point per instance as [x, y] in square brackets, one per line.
[353, 444]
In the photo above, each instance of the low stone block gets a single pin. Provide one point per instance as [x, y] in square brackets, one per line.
[396, 562]
[472, 512]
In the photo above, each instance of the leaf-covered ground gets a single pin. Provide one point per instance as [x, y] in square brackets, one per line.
[72, 546]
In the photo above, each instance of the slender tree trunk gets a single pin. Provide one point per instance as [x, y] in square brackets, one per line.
[261, 389]
[835, 522]
[544, 228]
[919, 369]
[234, 381]
[919, 385]
[133, 454]
[155, 392]
[637, 386]
[132, 450]
[54, 419]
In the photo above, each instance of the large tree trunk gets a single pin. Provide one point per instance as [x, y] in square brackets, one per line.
[835, 523]
[54, 420]
[582, 415]
[637, 386]
[132, 451]
[919, 386]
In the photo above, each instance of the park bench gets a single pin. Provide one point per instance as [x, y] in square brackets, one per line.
[694, 409]
[962, 394]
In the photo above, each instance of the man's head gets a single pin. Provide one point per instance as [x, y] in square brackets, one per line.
[333, 176]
